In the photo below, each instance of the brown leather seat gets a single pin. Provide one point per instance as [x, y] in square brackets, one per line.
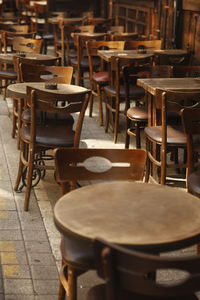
[139, 113]
[166, 136]
[127, 275]
[98, 78]
[38, 138]
[175, 134]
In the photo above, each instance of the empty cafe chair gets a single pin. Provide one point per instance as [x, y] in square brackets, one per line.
[167, 136]
[191, 119]
[38, 137]
[74, 165]
[99, 78]
[125, 273]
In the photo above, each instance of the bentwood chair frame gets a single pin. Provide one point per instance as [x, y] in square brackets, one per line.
[151, 45]
[36, 137]
[81, 64]
[126, 274]
[35, 73]
[71, 167]
[115, 91]
[191, 122]
[99, 79]
[137, 116]
[168, 137]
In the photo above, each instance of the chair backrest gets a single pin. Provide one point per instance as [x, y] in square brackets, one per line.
[15, 27]
[151, 45]
[131, 73]
[191, 124]
[116, 64]
[186, 71]
[39, 11]
[57, 103]
[94, 46]
[7, 38]
[98, 164]
[22, 44]
[123, 36]
[126, 273]
[38, 73]
[173, 60]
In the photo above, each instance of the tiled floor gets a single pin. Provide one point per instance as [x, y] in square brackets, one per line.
[29, 241]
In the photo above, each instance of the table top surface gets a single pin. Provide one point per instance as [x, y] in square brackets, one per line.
[129, 213]
[55, 20]
[8, 57]
[19, 89]
[106, 54]
[151, 84]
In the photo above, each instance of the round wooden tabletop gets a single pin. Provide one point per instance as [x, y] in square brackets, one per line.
[133, 214]
[19, 89]
[8, 57]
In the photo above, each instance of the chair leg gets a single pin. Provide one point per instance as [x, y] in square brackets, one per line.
[116, 124]
[107, 117]
[127, 137]
[137, 135]
[19, 122]
[29, 178]
[100, 105]
[14, 118]
[20, 168]
[91, 104]
[148, 161]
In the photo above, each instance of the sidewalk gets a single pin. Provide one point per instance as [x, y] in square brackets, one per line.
[29, 241]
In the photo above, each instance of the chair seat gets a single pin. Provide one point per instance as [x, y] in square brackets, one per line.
[8, 74]
[194, 182]
[137, 113]
[98, 292]
[51, 136]
[135, 92]
[68, 119]
[175, 134]
[77, 256]
[100, 77]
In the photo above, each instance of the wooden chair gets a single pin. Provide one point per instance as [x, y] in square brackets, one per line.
[39, 23]
[137, 116]
[36, 138]
[66, 41]
[22, 44]
[125, 274]
[98, 79]
[168, 137]
[35, 73]
[151, 45]
[9, 74]
[191, 119]
[124, 36]
[115, 91]
[71, 166]
[81, 63]
[173, 60]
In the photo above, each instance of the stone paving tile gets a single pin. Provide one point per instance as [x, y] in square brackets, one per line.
[9, 223]
[18, 286]
[46, 287]
[44, 272]
[37, 247]
[10, 235]
[30, 235]
[46, 297]
[16, 271]
[15, 257]
[9, 246]
[19, 297]
[41, 259]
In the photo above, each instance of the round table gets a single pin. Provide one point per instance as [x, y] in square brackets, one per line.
[8, 57]
[19, 89]
[141, 216]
